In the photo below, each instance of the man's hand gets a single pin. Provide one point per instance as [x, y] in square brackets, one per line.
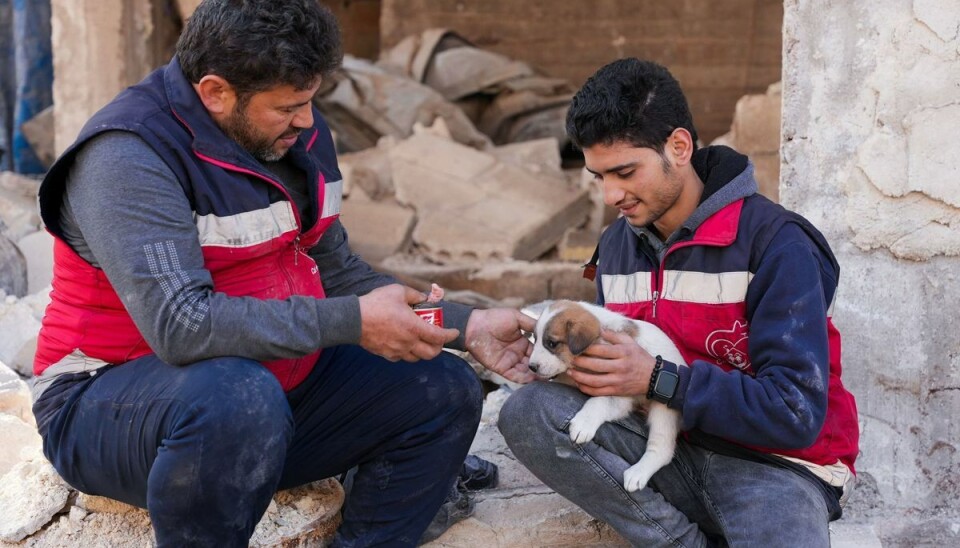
[614, 366]
[390, 328]
[495, 338]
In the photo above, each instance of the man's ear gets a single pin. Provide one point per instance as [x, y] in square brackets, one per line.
[680, 146]
[216, 94]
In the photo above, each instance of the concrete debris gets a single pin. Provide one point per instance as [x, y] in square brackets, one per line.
[18, 436]
[19, 326]
[516, 282]
[382, 228]
[31, 494]
[19, 214]
[756, 132]
[13, 269]
[15, 399]
[506, 99]
[364, 103]
[39, 134]
[37, 251]
[369, 171]
[471, 206]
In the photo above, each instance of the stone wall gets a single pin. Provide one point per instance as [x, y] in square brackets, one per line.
[871, 103]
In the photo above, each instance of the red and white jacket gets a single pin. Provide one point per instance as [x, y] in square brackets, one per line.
[250, 232]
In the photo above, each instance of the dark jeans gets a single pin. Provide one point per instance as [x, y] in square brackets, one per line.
[204, 447]
[700, 499]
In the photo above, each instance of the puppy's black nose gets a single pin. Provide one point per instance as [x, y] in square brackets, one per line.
[534, 367]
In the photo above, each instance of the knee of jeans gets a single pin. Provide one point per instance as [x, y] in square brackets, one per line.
[532, 410]
[244, 398]
[468, 390]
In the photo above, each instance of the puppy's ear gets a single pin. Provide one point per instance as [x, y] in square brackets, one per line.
[580, 335]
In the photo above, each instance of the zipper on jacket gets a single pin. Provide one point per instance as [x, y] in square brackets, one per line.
[656, 295]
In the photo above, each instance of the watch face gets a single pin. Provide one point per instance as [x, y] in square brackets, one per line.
[666, 385]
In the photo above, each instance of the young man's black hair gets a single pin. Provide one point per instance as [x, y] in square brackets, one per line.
[604, 110]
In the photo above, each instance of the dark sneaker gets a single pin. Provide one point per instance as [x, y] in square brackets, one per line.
[457, 507]
[477, 473]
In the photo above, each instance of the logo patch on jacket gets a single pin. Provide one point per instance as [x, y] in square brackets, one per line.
[729, 346]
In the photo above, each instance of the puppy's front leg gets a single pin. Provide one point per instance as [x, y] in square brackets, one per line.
[596, 411]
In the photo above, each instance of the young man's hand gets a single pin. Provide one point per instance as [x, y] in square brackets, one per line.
[390, 328]
[496, 338]
[614, 366]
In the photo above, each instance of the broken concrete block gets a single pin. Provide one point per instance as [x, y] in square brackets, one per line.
[756, 122]
[526, 282]
[17, 436]
[13, 269]
[538, 155]
[368, 170]
[368, 102]
[15, 397]
[31, 493]
[377, 229]
[39, 133]
[18, 325]
[471, 206]
[37, 250]
[578, 245]
[19, 213]
[303, 516]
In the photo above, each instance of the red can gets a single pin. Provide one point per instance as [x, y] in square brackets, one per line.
[430, 312]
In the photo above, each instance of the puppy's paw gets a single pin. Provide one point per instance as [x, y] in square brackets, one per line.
[583, 427]
[636, 477]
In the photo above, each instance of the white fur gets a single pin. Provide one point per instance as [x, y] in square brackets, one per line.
[663, 422]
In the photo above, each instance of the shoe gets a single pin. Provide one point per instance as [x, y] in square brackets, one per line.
[458, 506]
[477, 473]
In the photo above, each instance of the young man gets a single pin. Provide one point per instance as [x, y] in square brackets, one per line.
[205, 345]
[744, 288]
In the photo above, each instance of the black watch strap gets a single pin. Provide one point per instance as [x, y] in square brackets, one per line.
[663, 383]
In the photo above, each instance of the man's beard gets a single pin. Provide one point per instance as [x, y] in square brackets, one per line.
[237, 126]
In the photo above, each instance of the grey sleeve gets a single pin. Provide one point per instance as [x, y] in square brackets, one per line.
[345, 273]
[133, 217]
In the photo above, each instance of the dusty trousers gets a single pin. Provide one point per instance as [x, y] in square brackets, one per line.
[204, 447]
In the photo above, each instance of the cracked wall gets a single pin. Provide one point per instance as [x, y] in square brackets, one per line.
[871, 103]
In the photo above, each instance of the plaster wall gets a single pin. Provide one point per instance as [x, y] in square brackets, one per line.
[871, 103]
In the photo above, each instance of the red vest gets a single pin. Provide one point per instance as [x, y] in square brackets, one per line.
[252, 243]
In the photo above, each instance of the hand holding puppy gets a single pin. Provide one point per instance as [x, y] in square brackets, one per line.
[614, 366]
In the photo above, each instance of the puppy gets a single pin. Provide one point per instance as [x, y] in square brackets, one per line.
[564, 330]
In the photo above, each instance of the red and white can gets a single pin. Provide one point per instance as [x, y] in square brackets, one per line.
[430, 312]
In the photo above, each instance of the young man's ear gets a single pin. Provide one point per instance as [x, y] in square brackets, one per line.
[217, 95]
[680, 146]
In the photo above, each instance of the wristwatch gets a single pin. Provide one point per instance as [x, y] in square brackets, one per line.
[663, 383]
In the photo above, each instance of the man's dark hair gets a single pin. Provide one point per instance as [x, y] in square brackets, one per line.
[258, 44]
[629, 100]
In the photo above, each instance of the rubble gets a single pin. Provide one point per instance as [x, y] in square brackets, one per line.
[755, 131]
[473, 207]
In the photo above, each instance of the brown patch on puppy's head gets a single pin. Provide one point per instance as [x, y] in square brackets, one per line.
[573, 326]
[565, 330]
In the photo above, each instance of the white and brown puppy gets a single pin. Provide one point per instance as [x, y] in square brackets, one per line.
[564, 330]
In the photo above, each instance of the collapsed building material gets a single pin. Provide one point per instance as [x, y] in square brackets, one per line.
[13, 269]
[755, 131]
[505, 98]
[363, 102]
[471, 206]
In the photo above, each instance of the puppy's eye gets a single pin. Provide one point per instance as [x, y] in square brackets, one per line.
[551, 344]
